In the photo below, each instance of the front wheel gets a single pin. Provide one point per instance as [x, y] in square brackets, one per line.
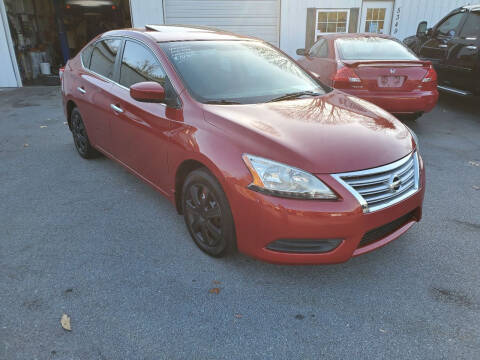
[207, 214]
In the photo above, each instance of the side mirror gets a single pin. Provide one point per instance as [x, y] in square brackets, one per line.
[422, 28]
[301, 52]
[147, 91]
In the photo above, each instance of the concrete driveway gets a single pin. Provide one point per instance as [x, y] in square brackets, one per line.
[88, 239]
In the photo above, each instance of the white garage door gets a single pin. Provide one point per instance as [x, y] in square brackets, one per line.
[259, 18]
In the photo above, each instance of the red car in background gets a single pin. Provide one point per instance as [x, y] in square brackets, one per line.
[255, 153]
[377, 68]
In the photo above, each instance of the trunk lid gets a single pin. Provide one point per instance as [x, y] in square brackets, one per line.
[390, 75]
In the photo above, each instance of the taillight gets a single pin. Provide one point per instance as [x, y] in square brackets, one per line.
[429, 81]
[60, 72]
[345, 78]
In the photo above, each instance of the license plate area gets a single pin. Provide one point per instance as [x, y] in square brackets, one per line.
[391, 81]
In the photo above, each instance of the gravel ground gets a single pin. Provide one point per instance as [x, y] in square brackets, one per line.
[88, 239]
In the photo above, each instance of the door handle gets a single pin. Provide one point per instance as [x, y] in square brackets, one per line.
[471, 47]
[116, 108]
[442, 46]
[82, 90]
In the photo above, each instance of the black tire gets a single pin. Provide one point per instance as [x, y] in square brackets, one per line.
[207, 214]
[80, 137]
[409, 117]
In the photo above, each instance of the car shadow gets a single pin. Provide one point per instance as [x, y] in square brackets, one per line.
[368, 266]
[460, 104]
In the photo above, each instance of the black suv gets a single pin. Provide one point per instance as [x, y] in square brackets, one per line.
[452, 46]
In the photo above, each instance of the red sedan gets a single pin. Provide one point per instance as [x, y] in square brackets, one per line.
[377, 68]
[254, 152]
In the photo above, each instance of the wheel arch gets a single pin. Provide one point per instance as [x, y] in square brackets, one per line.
[185, 168]
[70, 106]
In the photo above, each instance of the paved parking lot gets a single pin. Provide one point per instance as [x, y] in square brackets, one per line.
[88, 239]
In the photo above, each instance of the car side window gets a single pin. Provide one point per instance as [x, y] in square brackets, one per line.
[450, 26]
[86, 56]
[472, 26]
[319, 49]
[103, 57]
[139, 64]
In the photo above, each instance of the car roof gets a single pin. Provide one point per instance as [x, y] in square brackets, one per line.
[335, 36]
[167, 33]
[471, 7]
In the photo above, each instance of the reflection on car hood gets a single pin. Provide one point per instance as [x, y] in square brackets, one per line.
[333, 133]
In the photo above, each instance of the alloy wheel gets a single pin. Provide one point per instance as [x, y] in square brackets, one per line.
[79, 133]
[204, 217]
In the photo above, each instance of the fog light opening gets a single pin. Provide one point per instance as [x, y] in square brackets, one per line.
[304, 246]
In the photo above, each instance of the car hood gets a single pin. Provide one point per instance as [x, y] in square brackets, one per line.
[332, 133]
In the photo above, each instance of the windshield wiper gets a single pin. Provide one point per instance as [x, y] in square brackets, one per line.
[295, 95]
[222, 102]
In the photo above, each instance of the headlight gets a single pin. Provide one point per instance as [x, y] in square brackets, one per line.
[415, 137]
[281, 180]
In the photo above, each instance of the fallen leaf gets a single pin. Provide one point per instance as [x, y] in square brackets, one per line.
[65, 123]
[214, 291]
[43, 126]
[238, 316]
[26, 145]
[474, 163]
[475, 187]
[65, 321]
[383, 331]
[216, 282]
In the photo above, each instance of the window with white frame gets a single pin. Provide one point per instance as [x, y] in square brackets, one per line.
[331, 21]
[375, 20]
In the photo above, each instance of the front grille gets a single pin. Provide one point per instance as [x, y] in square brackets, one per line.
[384, 230]
[383, 186]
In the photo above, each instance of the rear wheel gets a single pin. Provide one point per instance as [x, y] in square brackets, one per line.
[207, 214]
[409, 117]
[80, 137]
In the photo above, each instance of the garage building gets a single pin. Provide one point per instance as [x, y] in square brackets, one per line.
[51, 31]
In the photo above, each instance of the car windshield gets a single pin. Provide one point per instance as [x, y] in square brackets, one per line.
[372, 48]
[245, 72]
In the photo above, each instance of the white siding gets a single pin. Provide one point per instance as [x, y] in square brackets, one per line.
[294, 17]
[259, 18]
[145, 12]
[7, 58]
[294, 20]
[414, 11]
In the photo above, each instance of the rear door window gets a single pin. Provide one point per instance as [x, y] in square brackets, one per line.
[472, 26]
[103, 57]
[86, 56]
[139, 64]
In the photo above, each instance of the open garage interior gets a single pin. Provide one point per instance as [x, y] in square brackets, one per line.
[46, 33]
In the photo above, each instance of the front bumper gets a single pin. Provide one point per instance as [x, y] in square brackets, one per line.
[261, 219]
[399, 102]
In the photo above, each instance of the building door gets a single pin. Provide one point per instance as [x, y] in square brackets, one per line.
[376, 17]
[246, 17]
